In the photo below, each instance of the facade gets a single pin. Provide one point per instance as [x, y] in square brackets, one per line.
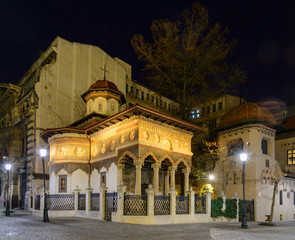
[49, 96]
[247, 128]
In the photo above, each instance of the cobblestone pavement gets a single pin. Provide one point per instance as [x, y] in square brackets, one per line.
[21, 225]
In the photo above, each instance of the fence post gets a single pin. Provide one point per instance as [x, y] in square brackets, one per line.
[150, 200]
[208, 203]
[120, 205]
[172, 193]
[33, 199]
[76, 199]
[88, 198]
[103, 189]
[192, 205]
[235, 196]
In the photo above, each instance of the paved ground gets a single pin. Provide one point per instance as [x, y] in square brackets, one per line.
[21, 225]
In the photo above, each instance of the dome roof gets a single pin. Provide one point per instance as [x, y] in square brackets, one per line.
[104, 85]
[247, 113]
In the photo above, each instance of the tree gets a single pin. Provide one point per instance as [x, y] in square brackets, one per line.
[186, 58]
[276, 177]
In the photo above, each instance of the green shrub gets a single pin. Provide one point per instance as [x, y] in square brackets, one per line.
[216, 206]
[231, 208]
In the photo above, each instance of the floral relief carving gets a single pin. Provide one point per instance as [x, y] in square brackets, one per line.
[112, 145]
[157, 138]
[79, 151]
[103, 148]
[131, 135]
[94, 150]
[145, 135]
[61, 152]
[122, 139]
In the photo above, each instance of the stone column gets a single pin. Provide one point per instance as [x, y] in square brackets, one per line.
[121, 193]
[138, 166]
[186, 173]
[150, 200]
[172, 170]
[208, 203]
[172, 193]
[120, 168]
[167, 175]
[191, 195]
[156, 167]
[88, 198]
[102, 195]
[76, 199]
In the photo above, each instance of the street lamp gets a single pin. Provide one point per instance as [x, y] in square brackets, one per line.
[43, 152]
[243, 157]
[211, 177]
[7, 167]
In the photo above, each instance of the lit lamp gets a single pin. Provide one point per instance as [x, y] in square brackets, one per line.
[243, 157]
[211, 177]
[43, 152]
[8, 168]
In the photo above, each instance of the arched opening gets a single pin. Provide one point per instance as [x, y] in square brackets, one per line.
[179, 179]
[147, 174]
[129, 174]
[164, 177]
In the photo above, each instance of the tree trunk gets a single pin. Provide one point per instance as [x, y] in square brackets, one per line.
[275, 187]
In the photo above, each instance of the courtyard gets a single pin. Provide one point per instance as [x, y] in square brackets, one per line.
[22, 225]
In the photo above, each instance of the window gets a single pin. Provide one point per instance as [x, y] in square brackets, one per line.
[219, 106]
[147, 97]
[130, 104]
[62, 183]
[131, 91]
[234, 178]
[281, 197]
[137, 93]
[157, 102]
[235, 146]
[198, 113]
[264, 146]
[291, 157]
[208, 110]
[161, 103]
[267, 163]
[142, 95]
[169, 107]
[112, 106]
[214, 108]
[266, 218]
[192, 114]
[153, 100]
[103, 179]
[293, 198]
[165, 105]
[281, 217]
[226, 179]
[99, 107]
[127, 88]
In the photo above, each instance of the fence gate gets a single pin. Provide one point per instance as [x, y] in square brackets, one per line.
[110, 205]
[249, 210]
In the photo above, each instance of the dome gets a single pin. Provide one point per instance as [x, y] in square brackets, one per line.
[247, 113]
[104, 85]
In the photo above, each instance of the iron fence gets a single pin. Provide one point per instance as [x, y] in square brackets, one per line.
[182, 204]
[95, 202]
[162, 205]
[37, 202]
[81, 202]
[135, 205]
[200, 204]
[60, 202]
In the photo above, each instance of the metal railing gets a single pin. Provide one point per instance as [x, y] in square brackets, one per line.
[200, 204]
[81, 202]
[37, 202]
[182, 204]
[95, 202]
[162, 205]
[135, 205]
[60, 202]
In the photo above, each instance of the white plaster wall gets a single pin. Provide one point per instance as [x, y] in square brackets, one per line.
[95, 181]
[80, 179]
[52, 183]
[112, 178]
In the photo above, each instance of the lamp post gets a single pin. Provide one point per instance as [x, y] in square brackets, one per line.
[43, 153]
[243, 157]
[7, 167]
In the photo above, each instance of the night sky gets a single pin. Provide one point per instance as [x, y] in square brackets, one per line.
[265, 31]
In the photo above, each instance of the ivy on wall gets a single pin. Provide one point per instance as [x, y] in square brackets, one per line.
[230, 211]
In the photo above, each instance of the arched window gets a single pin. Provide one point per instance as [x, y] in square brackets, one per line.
[234, 178]
[99, 107]
[281, 197]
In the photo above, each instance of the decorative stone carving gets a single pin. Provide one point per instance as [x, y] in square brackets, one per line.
[166, 144]
[103, 148]
[131, 135]
[61, 152]
[157, 138]
[112, 145]
[145, 135]
[79, 151]
[94, 150]
[176, 143]
[122, 139]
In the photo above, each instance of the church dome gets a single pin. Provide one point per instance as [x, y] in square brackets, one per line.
[247, 113]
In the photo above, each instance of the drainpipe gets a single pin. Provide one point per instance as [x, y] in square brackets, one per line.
[89, 157]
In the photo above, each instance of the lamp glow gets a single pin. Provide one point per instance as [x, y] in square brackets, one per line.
[243, 157]
[211, 177]
[7, 166]
[42, 152]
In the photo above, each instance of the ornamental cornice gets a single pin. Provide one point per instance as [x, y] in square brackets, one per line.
[67, 135]
[247, 128]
